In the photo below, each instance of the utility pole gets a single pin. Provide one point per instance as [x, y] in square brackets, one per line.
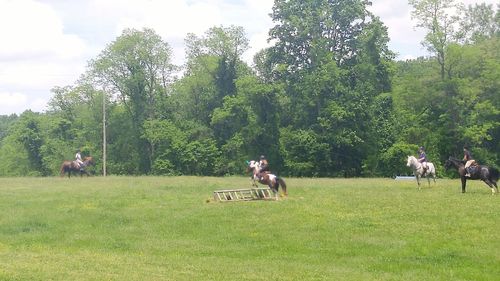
[104, 133]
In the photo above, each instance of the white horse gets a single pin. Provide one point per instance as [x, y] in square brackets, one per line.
[418, 170]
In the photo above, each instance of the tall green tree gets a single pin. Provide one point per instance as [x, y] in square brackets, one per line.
[333, 58]
[137, 68]
[28, 134]
[212, 68]
[478, 22]
[438, 18]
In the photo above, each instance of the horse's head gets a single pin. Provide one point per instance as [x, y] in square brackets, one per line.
[88, 160]
[252, 166]
[408, 163]
[452, 162]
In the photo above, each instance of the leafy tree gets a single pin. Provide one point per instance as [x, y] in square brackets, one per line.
[213, 65]
[137, 68]
[227, 43]
[195, 93]
[393, 160]
[333, 57]
[5, 122]
[307, 31]
[29, 133]
[437, 17]
[445, 115]
[248, 123]
[478, 22]
[305, 154]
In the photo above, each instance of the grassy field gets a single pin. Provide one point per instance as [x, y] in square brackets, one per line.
[163, 228]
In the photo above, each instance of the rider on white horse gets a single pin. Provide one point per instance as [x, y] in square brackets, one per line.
[422, 158]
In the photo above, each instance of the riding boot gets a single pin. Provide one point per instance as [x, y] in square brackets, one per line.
[467, 172]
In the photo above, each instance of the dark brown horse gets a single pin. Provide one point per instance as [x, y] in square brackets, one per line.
[71, 166]
[487, 174]
[271, 180]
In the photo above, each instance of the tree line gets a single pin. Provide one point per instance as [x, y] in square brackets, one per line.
[326, 99]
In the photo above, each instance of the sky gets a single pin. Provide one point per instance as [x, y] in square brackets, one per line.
[48, 43]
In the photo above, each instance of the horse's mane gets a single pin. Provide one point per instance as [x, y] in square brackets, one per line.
[456, 160]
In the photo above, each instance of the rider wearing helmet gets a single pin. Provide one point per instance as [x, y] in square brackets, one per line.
[469, 160]
[422, 158]
[78, 159]
[264, 166]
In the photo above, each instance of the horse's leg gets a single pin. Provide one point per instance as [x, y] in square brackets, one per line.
[490, 184]
[464, 182]
[283, 186]
[254, 181]
[273, 188]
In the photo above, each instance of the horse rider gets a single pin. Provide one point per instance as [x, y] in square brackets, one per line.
[422, 158]
[469, 161]
[78, 159]
[264, 166]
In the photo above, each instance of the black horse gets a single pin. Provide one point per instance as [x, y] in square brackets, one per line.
[487, 174]
[71, 166]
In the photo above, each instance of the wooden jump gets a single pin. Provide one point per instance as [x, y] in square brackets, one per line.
[244, 194]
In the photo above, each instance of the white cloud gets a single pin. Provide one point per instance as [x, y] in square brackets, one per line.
[32, 30]
[12, 99]
[16, 102]
[35, 55]
[11, 103]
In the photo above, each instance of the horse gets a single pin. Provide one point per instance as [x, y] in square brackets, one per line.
[418, 170]
[266, 178]
[72, 166]
[487, 174]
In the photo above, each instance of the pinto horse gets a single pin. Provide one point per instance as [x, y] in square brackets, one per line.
[71, 166]
[487, 174]
[418, 170]
[271, 180]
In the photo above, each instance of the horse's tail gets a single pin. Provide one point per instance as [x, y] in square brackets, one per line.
[494, 174]
[283, 186]
[62, 169]
[432, 169]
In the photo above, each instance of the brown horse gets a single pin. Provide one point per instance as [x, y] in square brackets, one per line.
[271, 180]
[71, 166]
[487, 174]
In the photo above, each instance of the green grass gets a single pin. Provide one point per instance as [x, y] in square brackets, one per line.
[163, 228]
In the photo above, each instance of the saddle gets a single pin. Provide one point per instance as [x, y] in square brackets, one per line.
[78, 166]
[472, 169]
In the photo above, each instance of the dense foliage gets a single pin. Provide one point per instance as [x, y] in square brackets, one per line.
[327, 99]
